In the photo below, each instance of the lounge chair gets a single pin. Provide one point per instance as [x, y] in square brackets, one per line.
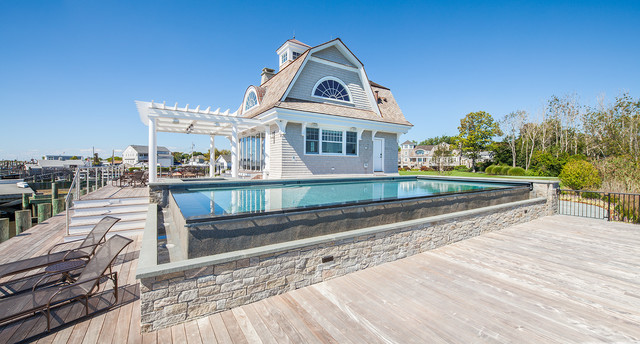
[84, 250]
[87, 284]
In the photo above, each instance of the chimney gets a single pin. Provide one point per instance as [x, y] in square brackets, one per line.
[267, 73]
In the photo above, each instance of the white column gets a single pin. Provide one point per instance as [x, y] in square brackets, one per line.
[153, 151]
[234, 151]
[267, 153]
[212, 156]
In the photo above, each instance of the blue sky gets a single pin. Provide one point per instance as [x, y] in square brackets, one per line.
[70, 70]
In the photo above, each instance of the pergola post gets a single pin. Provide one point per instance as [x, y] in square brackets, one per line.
[234, 151]
[267, 153]
[212, 156]
[153, 152]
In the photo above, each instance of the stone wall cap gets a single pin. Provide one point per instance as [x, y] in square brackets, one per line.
[148, 268]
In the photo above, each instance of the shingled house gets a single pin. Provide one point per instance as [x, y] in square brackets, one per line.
[319, 114]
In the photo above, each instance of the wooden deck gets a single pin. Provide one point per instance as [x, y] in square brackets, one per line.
[557, 279]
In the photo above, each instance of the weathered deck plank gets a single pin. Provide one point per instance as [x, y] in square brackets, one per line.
[557, 279]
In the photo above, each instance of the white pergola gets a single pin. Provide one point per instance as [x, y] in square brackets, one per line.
[172, 119]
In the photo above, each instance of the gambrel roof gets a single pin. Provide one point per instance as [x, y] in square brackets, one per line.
[276, 88]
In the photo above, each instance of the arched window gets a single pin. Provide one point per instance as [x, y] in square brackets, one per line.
[332, 88]
[252, 100]
[419, 152]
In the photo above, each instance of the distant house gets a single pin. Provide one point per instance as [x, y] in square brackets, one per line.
[137, 154]
[61, 157]
[223, 162]
[197, 160]
[416, 156]
[46, 166]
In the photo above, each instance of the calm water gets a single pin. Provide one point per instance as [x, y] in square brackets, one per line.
[211, 202]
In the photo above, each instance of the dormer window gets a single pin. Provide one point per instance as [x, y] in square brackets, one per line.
[296, 54]
[331, 88]
[251, 101]
[283, 58]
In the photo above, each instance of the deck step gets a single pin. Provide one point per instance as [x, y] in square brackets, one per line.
[85, 214]
[109, 210]
[92, 203]
[79, 220]
[119, 226]
[126, 233]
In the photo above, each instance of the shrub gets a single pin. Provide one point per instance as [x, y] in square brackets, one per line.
[516, 171]
[461, 168]
[490, 170]
[426, 168]
[504, 170]
[579, 175]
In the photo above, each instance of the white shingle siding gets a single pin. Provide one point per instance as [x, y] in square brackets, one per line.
[333, 54]
[293, 163]
[314, 71]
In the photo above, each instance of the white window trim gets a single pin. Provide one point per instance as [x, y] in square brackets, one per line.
[313, 90]
[244, 100]
[344, 142]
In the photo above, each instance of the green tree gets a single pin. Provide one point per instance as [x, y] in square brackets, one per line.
[74, 158]
[432, 141]
[477, 130]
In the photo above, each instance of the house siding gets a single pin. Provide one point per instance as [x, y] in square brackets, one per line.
[390, 152]
[314, 71]
[293, 163]
[333, 54]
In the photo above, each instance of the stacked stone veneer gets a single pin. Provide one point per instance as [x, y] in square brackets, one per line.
[176, 297]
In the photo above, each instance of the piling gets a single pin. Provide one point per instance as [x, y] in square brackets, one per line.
[44, 212]
[54, 190]
[4, 229]
[25, 201]
[23, 220]
[57, 205]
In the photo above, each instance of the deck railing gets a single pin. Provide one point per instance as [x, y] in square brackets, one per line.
[612, 206]
[86, 180]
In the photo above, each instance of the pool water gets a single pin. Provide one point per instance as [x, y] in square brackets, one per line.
[224, 201]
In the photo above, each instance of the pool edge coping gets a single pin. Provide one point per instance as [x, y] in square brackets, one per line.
[148, 266]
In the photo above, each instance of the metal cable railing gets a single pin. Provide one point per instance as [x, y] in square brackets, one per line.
[83, 183]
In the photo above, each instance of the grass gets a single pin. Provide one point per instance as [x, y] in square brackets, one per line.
[469, 174]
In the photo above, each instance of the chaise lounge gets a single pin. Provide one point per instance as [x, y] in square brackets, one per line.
[87, 284]
[84, 250]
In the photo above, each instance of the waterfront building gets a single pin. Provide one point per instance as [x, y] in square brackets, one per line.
[139, 155]
[319, 114]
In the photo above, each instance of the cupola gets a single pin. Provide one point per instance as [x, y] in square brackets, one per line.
[290, 51]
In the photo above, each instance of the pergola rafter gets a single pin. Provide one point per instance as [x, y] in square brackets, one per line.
[173, 119]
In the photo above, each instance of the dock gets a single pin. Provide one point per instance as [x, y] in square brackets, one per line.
[556, 279]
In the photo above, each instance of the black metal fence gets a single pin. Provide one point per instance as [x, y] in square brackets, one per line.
[612, 206]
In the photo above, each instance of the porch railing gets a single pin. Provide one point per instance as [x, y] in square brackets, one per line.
[612, 206]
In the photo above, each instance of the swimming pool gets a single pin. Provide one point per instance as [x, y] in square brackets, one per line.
[218, 202]
[220, 217]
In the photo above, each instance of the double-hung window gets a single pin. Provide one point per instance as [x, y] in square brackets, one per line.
[312, 141]
[331, 141]
[352, 143]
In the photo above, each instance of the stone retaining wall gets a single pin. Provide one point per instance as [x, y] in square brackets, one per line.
[189, 293]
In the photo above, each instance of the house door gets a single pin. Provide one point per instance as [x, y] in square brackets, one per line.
[378, 155]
